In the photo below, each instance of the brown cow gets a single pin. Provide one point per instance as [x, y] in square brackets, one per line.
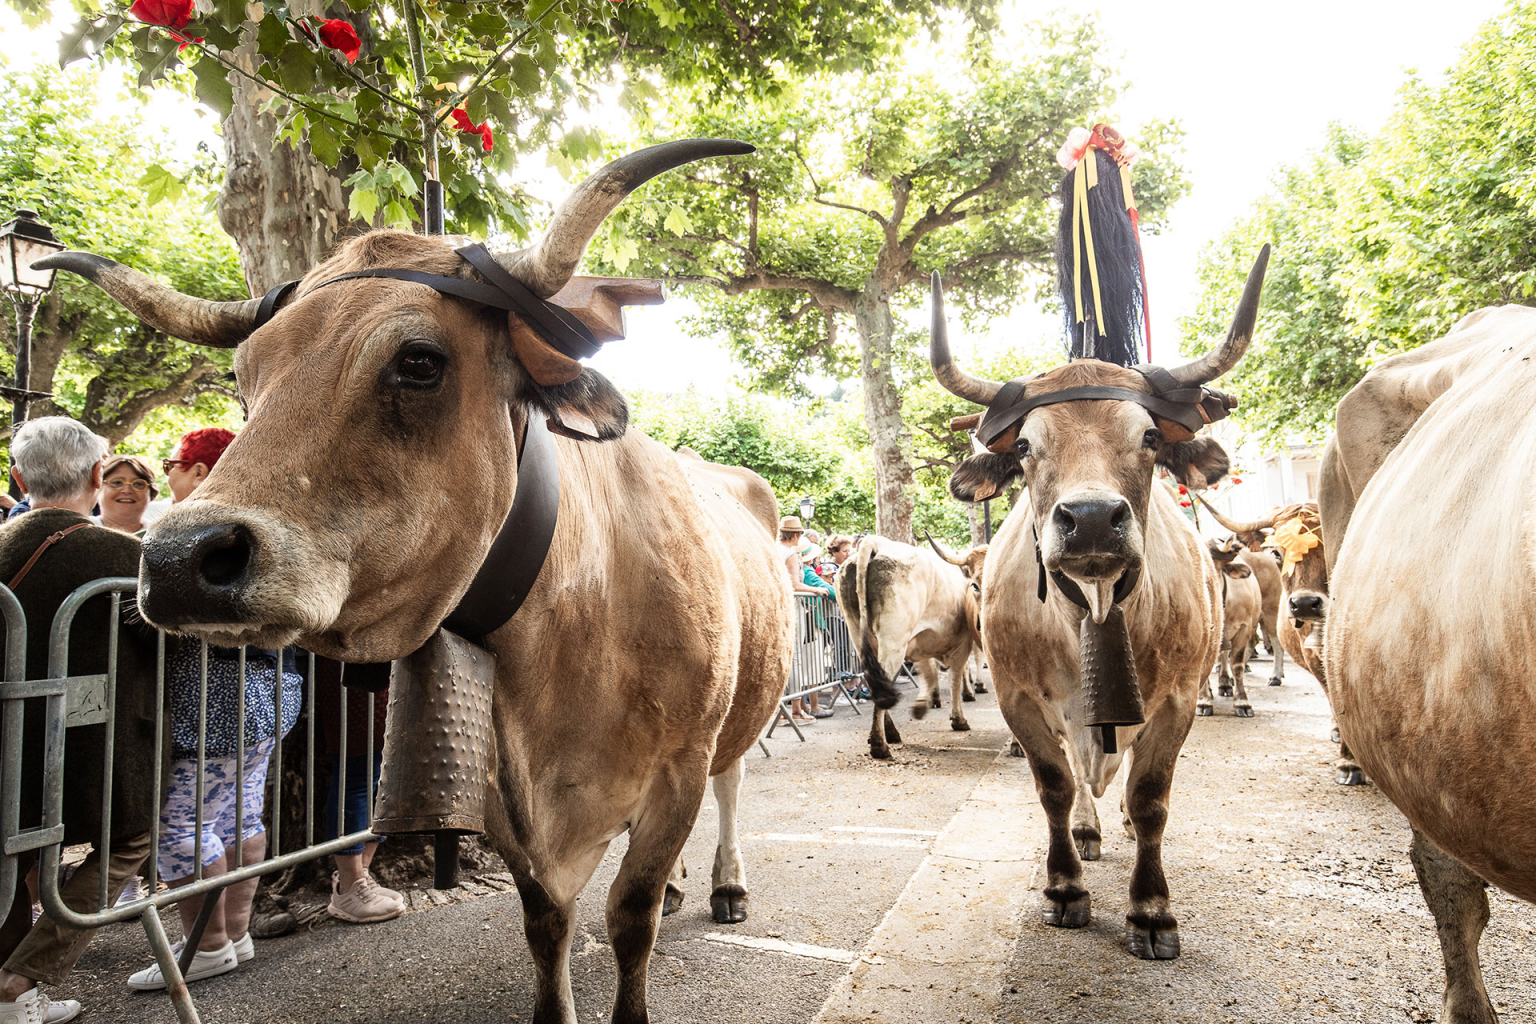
[629, 676]
[1266, 571]
[1096, 517]
[1241, 603]
[1428, 500]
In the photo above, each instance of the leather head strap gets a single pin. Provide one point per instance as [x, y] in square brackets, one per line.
[554, 324]
[1189, 407]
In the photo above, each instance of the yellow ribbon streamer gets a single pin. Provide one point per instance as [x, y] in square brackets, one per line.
[1082, 234]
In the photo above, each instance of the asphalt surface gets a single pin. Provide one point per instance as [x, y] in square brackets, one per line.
[908, 891]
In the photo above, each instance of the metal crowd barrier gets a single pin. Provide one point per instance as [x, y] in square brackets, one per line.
[91, 699]
[824, 659]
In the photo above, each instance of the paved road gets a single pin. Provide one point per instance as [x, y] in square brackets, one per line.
[908, 891]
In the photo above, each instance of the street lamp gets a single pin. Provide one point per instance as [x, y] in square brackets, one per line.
[807, 507]
[22, 241]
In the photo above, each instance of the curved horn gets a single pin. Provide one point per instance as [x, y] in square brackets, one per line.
[951, 559]
[955, 380]
[1225, 356]
[1234, 525]
[200, 321]
[549, 263]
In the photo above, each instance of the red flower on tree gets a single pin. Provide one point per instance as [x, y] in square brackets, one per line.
[483, 129]
[169, 13]
[340, 35]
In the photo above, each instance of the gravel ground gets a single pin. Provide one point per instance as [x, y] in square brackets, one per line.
[1295, 900]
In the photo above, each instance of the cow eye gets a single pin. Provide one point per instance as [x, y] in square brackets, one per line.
[1152, 438]
[1021, 449]
[420, 366]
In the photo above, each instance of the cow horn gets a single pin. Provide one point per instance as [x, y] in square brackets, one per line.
[1232, 524]
[200, 321]
[955, 380]
[1225, 356]
[951, 559]
[548, 264]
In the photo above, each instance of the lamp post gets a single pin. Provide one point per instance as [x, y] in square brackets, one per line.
[23, 240]
[807, 508]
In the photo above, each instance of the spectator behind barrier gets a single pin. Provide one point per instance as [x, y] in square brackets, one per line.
[44, 557]
[791, 533]
[127, 488]
[236, 758]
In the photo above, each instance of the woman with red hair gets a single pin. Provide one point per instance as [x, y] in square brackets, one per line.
[193, 459]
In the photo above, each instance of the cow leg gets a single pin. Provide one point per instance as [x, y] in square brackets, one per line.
[973, 673]
[1271, 641]
[1204, 704]
[928, 696]
[1240, 704]
[634, 902]
[879, 748]
[1066, 903]
[1347, 771]
[1085, 823]
[672, 902]
[1459, 901]
[957, 669]
[728, 901]
[548, 926]
[1224, 662]
[1153, 931]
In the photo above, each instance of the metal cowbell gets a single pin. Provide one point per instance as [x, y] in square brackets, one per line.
[1111, 693]
[437, 743]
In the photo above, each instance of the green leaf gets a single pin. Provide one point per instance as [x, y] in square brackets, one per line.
[477, 105]
[160, 184]
[363, 204]
[397, 216]
[677, 222]
[322, 142]
[213, 86]
[296, 68]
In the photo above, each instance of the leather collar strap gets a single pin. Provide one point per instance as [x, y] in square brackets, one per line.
[1190, 407]
[521, 547]
[555, 324]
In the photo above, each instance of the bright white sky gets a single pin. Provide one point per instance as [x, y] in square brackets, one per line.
[1255, 85]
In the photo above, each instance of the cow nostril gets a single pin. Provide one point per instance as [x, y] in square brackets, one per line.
[226, 560]
[1065, 521]
[1120, 516]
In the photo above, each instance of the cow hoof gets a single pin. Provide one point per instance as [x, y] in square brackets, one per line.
[1088, 842]
[919, 710]
[1203, 710]
[1276, 681]
[1242, 710]
[981, 687]
[959, 725]
[672, 902]
[728, 904]
[1349, 775]
[1333, 737]
[1224, 690]
[891, 735]
[1014, 750]
[968, 697]
[1157, 941]
[879, 753]
[936, 702]
[1073, 911]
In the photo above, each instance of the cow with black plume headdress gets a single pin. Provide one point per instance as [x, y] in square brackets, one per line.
[1101, 610]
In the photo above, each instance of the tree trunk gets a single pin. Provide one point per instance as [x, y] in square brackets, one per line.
[882, 416]
[977, 516]
[284, 209]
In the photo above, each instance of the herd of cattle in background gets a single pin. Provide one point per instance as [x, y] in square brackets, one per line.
[631, 677]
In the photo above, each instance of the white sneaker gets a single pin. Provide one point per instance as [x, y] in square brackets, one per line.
[35, 1008]
[130, 892]
[204, 965]
[393, 894]
[364, 901]
[245, 949]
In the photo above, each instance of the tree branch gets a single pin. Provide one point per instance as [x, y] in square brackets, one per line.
[934, 219]
[816, 187]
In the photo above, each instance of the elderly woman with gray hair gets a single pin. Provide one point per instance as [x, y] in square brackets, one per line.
[44, 556]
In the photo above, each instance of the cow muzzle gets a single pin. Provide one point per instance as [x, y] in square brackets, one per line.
[231, 578]
[1307, 606]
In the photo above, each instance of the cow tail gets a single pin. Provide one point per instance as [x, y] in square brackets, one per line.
[880, 685]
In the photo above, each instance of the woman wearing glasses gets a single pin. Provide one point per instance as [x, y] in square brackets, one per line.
[127, 488]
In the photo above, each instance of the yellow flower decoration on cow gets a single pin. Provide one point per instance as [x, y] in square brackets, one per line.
[1295, 539]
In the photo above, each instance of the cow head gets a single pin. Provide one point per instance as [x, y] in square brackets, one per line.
[1089, 463]
[1224, 550]
[1298, 537]
[380, 455]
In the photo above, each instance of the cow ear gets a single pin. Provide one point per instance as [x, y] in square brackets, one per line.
[983, 476]
[587, 408]
[1197, 463]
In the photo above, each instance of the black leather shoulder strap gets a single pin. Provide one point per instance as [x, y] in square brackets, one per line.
[518, 553]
